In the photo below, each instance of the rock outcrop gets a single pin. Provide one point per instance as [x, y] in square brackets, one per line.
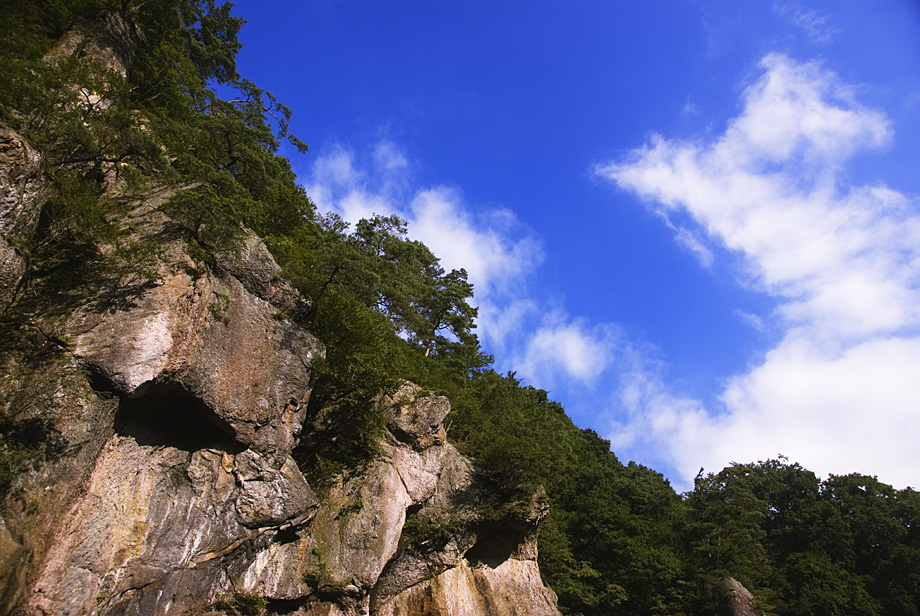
[513, 587]
[736, 600]
[171, 487]
[160, 441]
[22, 190]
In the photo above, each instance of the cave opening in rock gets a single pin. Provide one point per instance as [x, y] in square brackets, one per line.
[286, 535]
[495, 544]
[170, 417]
[286, 606]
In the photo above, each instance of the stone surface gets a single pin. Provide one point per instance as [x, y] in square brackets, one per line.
[737, 600]
[158, 522]
[167, 481]
[176, 513]
[176, 484]
[110, 39]
[212, 338]
[252, 264]
[415, 418]
[13, 567]
[512, 588]
[22, 195]
[270, 497]
[484, 544]
[358, 528]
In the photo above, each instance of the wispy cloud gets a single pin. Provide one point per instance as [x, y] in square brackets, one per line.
[839, 392]
[692, 242]
[817, 25]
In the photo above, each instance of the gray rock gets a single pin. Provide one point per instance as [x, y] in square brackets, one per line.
[162, 529]
[512, 588]
[415, 418]
[13, 568]
[268, 496]
[484, 544]
[252, 264]
[22, 195]
[736, 599]
[213, 339]
[110, 39]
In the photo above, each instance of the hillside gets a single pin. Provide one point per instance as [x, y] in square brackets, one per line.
[215, 399]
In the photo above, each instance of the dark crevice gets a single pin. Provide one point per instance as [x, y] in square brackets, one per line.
[170, 417]
[496, 542]
[287, 535]
[100, 383]
[285, 606]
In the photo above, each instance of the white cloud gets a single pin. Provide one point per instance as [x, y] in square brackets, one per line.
[752, 319]
[767, 188]
[496, 251]
[484, 244]
[840, 392]
[389, 158]
[562, 348]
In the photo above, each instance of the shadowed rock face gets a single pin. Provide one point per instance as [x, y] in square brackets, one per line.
[22, 191]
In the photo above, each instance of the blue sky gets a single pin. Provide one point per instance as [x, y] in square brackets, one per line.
[695, 223]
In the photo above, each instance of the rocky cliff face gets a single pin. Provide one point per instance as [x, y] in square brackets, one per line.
[169, 427]
[22, 190]
[735, 599]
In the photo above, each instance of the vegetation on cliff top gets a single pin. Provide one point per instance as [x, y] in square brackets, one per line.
[618, 539]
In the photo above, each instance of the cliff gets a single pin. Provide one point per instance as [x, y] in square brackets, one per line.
[171, 426]
[156, 421]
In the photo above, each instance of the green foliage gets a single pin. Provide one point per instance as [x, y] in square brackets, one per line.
[803, 546]
[819, 585]
[725, 532]
[608, 544]
[429, 532]
[106, 141]
[379, 267]
[387, 312]
[241, 604]
[363, 355]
